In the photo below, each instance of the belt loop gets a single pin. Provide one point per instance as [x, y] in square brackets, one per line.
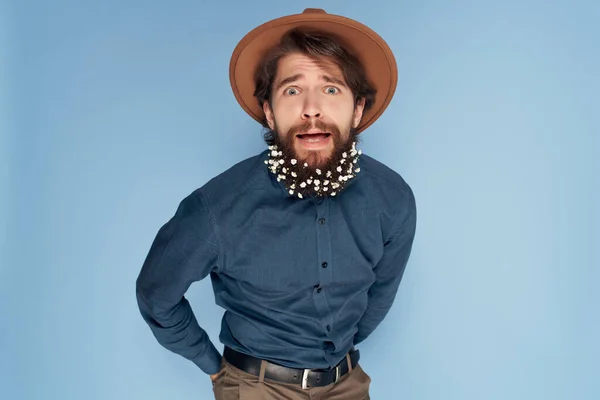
[261, 374]
[349, 362]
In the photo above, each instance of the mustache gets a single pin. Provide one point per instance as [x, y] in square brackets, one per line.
[320, 125]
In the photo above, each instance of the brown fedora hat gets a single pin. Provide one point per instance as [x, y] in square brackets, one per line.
[361, 41]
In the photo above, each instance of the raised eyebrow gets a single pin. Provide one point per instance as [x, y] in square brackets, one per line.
[331, 79]
[288, 80]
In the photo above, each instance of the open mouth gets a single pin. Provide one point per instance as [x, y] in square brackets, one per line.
[313, 137]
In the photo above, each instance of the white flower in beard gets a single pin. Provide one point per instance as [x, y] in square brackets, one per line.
[289, 175]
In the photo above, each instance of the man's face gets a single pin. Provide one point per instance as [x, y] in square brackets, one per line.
[312, 109]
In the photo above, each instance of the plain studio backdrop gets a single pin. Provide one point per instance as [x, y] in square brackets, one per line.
[114, 111]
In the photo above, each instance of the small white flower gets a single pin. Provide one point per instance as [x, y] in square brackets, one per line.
[317, 182]
[339, 169]
[266, 161]
[300, 195]
[318, 171]
[355, 160]
[325, 189]
[328, 174]
[281, 161]
[284, 170]
[357, 170]
[340, 178]
[333, 193]
[303, 185]
[305, 165]
[281, 176]
[343, 160]
[316, 188]
[294, 174]
[274, 153]
[309, 181]
[335, 185]
[326, 183]
[293, 186]
[291, 192]
[360, 152]
[344, 155]
[293, 161]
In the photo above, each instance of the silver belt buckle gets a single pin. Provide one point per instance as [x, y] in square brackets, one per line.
[305, 379]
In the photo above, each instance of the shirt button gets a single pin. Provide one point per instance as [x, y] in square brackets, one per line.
[328, 328]
[322, 221]
[324, 265]
[319, 290]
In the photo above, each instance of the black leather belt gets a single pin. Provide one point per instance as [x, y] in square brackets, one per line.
[306, 377]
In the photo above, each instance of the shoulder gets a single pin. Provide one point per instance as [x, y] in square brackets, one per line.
[384, 179]
[378, 171]
[242, 176]
[396, 195]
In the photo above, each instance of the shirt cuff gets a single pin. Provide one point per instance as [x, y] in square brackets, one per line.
[210, 362]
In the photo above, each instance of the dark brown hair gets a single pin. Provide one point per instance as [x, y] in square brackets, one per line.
[322, 47]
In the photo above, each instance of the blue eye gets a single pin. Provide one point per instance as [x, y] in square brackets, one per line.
[291, 91]
[331, 90]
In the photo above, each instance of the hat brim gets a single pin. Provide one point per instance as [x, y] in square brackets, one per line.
[365, 44]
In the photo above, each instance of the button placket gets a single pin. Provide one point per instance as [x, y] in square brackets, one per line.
[323, 228]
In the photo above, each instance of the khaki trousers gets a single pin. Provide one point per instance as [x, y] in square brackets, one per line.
[235, 384]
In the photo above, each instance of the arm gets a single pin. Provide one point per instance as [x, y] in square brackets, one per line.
[389, 271]
[185, 250]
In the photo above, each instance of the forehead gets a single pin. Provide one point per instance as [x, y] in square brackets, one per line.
[296, 63]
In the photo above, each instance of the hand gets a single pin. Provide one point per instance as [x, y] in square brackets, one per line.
[214, 377]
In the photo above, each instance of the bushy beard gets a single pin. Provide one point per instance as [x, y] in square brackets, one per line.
[314, 176]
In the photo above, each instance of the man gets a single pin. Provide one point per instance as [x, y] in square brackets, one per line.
[305, 243]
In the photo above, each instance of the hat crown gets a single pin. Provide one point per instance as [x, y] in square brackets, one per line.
[314, 11]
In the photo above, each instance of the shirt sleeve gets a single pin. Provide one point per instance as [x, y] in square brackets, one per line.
[184, 250]
[389, 271]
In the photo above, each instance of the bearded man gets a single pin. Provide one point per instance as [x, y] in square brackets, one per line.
[305, 243]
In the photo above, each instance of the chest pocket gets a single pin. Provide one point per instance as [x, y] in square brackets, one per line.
[273, 251]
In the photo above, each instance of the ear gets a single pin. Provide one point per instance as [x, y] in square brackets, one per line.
[358, 112]
[269, 115]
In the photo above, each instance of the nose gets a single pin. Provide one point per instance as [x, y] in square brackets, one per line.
[311, 109]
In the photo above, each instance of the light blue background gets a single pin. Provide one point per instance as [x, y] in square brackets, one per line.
[113, 111]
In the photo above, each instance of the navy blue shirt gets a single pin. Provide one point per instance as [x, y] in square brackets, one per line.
[301, 280]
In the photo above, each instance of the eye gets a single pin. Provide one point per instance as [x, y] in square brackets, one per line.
[291, 91]
[331, 90]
